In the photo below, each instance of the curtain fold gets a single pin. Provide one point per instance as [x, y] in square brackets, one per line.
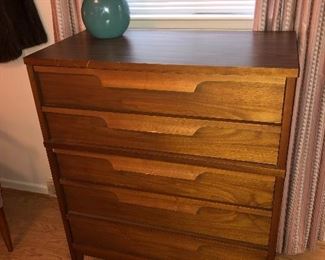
[67, 19]
[302, 219]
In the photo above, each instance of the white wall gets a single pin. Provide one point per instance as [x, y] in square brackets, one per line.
[23, 162]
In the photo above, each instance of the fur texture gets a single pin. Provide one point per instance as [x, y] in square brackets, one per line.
[20, 28]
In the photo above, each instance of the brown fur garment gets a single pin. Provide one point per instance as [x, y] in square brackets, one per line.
[20, 28]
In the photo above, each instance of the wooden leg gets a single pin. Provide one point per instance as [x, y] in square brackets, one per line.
[4, 229]
[79, 256]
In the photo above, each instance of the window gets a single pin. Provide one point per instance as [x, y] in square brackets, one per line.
[205, 9]
[209, 14]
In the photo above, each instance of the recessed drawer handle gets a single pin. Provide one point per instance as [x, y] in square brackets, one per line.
[166, 202]
[140, 123]
[173, 204]
[142, 80]
[145, 167]
[121, 165]
[165, 125]
[152, 125]
[191, 176]
[150, 81]
[163, 169]
[181, 204]
[159, 81]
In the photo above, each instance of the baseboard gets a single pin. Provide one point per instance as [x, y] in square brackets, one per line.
[51, 188]
[24, 186]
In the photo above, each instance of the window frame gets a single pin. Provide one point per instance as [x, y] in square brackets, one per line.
[205, 22]
[222, 24]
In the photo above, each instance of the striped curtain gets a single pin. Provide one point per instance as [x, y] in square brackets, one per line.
[303, 213]
[66, 18]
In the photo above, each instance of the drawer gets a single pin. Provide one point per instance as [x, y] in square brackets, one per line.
[193, 95]
[239, 188]
[103, 236]
[227, 140]
[170, 212]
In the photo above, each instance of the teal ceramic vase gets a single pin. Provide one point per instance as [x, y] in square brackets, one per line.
[106, 19]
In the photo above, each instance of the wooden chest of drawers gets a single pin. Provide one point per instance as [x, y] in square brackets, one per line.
[168, 144]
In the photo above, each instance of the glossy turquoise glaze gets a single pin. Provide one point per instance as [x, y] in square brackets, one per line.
[106, 18]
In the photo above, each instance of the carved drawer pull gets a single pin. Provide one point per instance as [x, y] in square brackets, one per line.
[140, 123]
[146, 167]
[158, 81]
[159, 124]
[171, 203]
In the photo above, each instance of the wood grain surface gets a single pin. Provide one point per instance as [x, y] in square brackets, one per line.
[153, 244]
[36, 227]
[230, 165]
[266, 52]
[4, 229]
[186, 100]
[238, 188]
[228, 140]
[276, 213]
[286, 122]
[181, 94]
[170, 212]
[52, 163]
[38, 234]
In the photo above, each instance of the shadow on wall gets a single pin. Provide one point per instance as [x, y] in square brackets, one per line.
[24, 171]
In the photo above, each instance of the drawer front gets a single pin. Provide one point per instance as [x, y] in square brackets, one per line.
[148, 243]
[195, 95]
[227, 140]
[232, 187]
[170, 212]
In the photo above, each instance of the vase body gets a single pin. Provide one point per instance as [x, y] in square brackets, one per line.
[106, 18]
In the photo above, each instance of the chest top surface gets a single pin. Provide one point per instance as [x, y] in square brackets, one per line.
[209, 49]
